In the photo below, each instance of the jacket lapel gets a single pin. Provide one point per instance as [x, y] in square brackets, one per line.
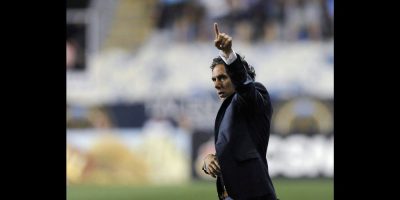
[220, 116]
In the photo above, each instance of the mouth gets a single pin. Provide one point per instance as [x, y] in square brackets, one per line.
[221, 94]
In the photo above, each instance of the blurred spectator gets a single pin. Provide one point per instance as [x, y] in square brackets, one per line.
[304, 125]
[95, 117]
[74, 55]
[77, 117]
[99, 118]
[250, 20]
[167, 11]
[293, 19]
[274, 14]
[327, 24]
[75, 44]
[213, 11]
[189, 22]
[313, 18]
[329, 5]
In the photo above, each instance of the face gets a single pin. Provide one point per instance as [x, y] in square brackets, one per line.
[222, 82]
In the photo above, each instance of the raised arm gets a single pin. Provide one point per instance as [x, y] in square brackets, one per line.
[244, 84]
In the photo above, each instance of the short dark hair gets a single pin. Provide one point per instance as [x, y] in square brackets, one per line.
[250, 69]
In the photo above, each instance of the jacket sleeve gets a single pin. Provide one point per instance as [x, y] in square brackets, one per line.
[244, 85]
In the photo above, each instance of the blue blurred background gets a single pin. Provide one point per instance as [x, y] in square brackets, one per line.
[141, 104]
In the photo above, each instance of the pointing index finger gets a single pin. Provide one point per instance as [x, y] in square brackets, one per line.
[216, 30]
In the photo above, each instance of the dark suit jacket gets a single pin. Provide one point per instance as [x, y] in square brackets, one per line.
[242, 129]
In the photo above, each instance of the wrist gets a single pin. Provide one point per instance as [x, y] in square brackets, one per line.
[226, 53]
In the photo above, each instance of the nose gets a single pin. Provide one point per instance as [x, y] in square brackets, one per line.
[217, 84]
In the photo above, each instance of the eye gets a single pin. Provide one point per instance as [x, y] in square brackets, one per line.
[221, 78]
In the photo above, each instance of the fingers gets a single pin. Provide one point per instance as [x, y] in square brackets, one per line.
[217, 166]
[218, 44]
[216, 169]
[212, 165]
[213, 168]
[223, 42]
[212, 171]
[216, 30]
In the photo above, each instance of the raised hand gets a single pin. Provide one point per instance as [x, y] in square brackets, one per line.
[222, 41]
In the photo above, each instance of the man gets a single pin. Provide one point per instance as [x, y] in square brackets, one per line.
[242, 128]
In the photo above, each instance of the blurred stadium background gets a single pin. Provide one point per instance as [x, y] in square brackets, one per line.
[141, 104]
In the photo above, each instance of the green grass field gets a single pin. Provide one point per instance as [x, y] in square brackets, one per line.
[287, 189]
